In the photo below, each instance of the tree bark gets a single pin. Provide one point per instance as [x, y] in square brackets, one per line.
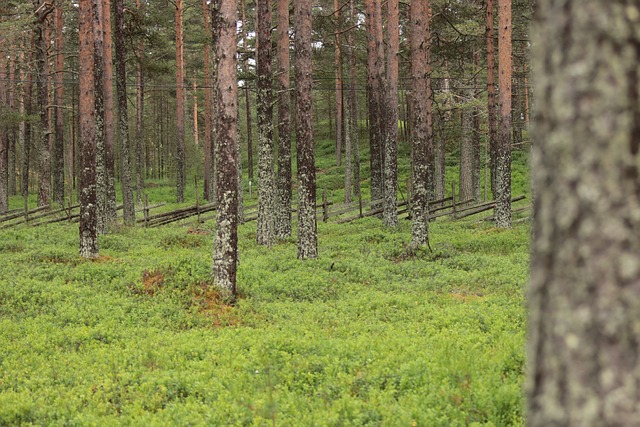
[283, 199]
[88, 212]
[247, 95]
[353, 104]
[339, 97]
[140, 115]
[307, 227]
[492, 124]
[374, 91]
[110, 212]
[4, 137]
[503, 153]
[466, 149]
[584, 314]
[390, 214]
[98, 97]
[58, 143]
[225, 253]
[421, 96]
[27, 77]
[123, 118]
[180, 156]
[208, 99]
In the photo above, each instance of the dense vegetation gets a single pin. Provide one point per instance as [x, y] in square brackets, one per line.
[371, 333]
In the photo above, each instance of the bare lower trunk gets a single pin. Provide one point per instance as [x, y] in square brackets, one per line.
[283, 198]
[491, 94]
[58, 143]
[503, 153]
[4, 140]
[44, 150]
[307, 227]
[140, 116]
[353, 105]
[99, 110]
[180, 155]
[225, 254]
[110, 212]
[391, 129]
[339, 99]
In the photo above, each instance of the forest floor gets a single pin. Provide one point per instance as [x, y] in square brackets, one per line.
[370, 333]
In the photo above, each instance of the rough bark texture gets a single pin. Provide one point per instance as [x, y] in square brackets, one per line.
[390, 215]
[503, 152]
[475, 135]
[419, 74]
[466, 151]
[11, 101]
[98, 82]
[584, 311]
[180, 156]
[266, 178]
[374, 92]
[88, 212]
[492, 124]
[225, 253]
[44, 148]
[4, 138]
[283, 198]
[215, 36]
[27, 77]
[123, 118]
[307, 227]
[58, 142]
[339, 98]
[110, 213]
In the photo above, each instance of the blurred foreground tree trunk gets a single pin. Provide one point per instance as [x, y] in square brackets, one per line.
[584, 311]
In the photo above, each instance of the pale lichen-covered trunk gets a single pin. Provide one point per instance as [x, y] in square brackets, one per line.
[283, 198]
[58, 142]
[123, 118]
[43, 131]
[265, 234]
[247, 95]
[492, 124]
[503, 152]
[213, 115]
[88, 211]
[225, 253]
[440, 141]
[180, 155]
[307, 227]
[584, 311]
[110, 212]
[98, 95]
[419, 73]
[374, 97]
[390, 215]
[4, 138]
[140, 115]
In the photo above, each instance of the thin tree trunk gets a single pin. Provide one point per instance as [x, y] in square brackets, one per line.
[503, 159]
[215, 36]
[391, 135]
[374, 91]
[466, 149]
[4, 137]
[247, 95]
[208, 95]
[420, 75]
[110, 212]
[225, 253]
[491, 94]
[140, 115]
[266, 184]
[123, 118]
[475, 135]
[283, 199]
[353, 104]
[339, 98]
[11, 162]
[307, 227]
[88, 212]
[58, 144]
[180, 155]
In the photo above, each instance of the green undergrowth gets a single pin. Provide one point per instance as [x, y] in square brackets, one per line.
[371, 333]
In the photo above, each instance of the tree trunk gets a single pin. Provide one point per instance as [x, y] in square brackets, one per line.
[421, 96]
[374, 91]
[475, 135]
[27, 77]
[180, 155]
[266, 185]
[283, 200]
[12, 131]
[123, 118]
[58, 144]
[4, 137]
[503, 159]
[42, 63]
[208, 95]
[491, 95]
[466, 149]
[215, 36]
[225, 253]
[98, 81]
[584, 314]
[307, 227]
[390, 214]
[88, 212]
[247, 95]
[339, 98]
[140, 115]
[353, 104]
[110, 212]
